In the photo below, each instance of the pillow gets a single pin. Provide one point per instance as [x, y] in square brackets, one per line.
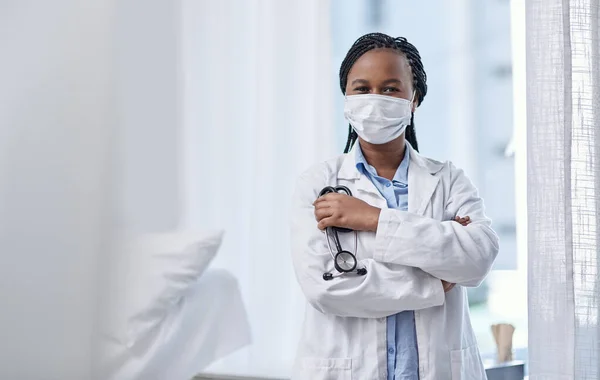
[150, 275]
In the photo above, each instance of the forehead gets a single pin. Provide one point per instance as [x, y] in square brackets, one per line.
[381, 63]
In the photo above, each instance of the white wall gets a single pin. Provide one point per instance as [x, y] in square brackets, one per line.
[54, 128]
[147, 93]
[89, 120]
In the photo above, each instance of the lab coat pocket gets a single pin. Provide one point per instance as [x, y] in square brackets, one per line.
[327, 369]
[466, 364]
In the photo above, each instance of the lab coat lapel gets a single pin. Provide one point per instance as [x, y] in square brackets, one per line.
[421, 185]
[363, 187]
[422, 182]
[368, 192]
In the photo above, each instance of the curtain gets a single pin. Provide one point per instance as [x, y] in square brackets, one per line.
[257, 112]
[563, 143]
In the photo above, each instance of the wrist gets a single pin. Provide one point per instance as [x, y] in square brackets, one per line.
[374, 219]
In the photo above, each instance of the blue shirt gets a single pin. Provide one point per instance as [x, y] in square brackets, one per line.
[403, 357]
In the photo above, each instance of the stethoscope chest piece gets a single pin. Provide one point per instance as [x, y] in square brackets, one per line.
[344, 262]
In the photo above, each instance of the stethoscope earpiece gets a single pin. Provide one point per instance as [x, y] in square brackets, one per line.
[337, 189]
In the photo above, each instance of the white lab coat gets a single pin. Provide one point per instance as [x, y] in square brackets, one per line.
[344, 332]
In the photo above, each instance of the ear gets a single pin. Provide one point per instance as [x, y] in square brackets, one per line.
[414, 103]
[413, 106]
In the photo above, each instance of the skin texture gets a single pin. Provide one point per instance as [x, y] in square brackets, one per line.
[383, 72]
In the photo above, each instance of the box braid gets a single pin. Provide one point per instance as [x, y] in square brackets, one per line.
[378, 41]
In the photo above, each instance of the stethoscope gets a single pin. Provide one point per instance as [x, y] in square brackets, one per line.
[343, 261]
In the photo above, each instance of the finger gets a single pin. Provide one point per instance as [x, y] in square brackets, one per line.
[328, 198]
[319, 200]
[448, 287]
[444, 285]
[332, 196]
[323, 204]
[326, 222]
[323, 213]
[465, 221]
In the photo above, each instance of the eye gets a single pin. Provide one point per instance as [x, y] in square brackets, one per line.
[361, 89]
[391, 90]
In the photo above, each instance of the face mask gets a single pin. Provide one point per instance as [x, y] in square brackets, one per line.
[378, 119]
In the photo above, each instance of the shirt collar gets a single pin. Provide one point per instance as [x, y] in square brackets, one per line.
[401, 174]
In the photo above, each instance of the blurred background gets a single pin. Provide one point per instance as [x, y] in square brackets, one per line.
[151, 116]
[467, 117]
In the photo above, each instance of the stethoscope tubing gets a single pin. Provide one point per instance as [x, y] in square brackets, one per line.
[337, 243]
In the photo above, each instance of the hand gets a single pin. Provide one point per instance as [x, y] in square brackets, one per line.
[447, 286]
[341, 210]
[464, 221]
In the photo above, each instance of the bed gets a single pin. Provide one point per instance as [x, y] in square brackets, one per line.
[210, 322]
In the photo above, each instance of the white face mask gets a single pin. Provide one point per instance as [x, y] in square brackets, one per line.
[378, 119]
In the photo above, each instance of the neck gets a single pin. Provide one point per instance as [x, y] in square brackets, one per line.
[385, 158]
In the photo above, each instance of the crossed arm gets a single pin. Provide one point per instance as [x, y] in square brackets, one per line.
[341, 210]
[406, 269]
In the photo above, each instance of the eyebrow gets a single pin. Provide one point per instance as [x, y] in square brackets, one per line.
[364, 81]
[357, 81]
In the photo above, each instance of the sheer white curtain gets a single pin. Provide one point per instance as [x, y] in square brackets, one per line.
[563, 68]
[257, 103]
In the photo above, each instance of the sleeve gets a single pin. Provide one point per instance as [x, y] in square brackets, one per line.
[447, 250]
[386, 289]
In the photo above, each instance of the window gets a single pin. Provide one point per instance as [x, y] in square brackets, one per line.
[467, 117]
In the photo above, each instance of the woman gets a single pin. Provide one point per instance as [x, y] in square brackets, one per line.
[404, 318]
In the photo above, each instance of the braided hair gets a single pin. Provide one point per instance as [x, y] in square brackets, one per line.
[378, 41]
